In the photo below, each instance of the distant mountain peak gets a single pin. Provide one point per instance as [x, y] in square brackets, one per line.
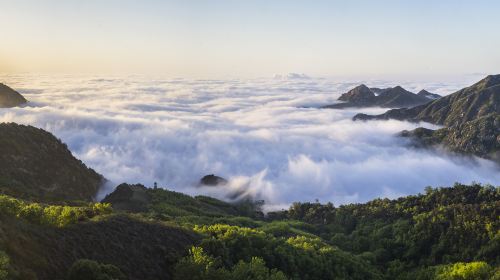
[360, 95]
[9, 97]
[396, 97]
[427, 94]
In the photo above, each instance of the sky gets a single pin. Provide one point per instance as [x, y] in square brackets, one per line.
[257, 38]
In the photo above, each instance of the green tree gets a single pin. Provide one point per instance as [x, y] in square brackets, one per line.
[255, 270]
[465, 271]
[201, 266]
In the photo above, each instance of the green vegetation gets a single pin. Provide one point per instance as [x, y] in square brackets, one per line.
[402, 236]
[55, 215]
[472, 270]
[446, 233]
[199, 265]
[299, 257]
[473, 137]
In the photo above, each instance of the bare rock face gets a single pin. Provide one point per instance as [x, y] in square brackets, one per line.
[10, 98]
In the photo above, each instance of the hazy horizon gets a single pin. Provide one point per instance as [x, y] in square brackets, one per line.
[219, 39]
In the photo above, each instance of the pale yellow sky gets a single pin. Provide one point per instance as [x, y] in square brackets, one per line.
[251, 38]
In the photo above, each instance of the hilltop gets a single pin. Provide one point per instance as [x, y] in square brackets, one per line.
[9, 97]
[396, 97]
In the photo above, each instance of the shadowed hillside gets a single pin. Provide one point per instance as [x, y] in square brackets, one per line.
[36, 165]
[471, 116]
[9, 97]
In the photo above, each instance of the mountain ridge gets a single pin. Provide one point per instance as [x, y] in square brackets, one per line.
[395, 97]
[469, 113]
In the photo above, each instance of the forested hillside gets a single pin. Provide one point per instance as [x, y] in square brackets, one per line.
[446, 233]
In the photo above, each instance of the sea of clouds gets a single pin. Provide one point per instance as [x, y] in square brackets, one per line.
[266, 136]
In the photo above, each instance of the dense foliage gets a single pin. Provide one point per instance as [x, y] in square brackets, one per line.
[199, 265]
[444, 226]
[446, 233]
[299, 257]
[56, 215]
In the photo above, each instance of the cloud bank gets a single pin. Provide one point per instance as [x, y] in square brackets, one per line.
[264, 135]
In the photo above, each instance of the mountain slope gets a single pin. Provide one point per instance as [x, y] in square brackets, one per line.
[478, 100]
[471, 116]
[9, 97]
[36, 165]
[140, 249]
[480, 137]
[396, 97]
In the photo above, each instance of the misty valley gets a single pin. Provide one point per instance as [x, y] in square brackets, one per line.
[290, 177]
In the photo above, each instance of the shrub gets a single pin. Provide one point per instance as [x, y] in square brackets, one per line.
[465, 271]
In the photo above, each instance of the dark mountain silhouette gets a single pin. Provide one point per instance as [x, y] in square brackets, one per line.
[212, 180]
[36, 165]
[396, 97]
[471, 117]
[9, 97]
[429, 95]
[134, 198]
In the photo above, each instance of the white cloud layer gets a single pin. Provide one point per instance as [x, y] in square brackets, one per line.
[263, 135]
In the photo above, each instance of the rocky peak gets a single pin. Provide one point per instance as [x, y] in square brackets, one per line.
[359, 94]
